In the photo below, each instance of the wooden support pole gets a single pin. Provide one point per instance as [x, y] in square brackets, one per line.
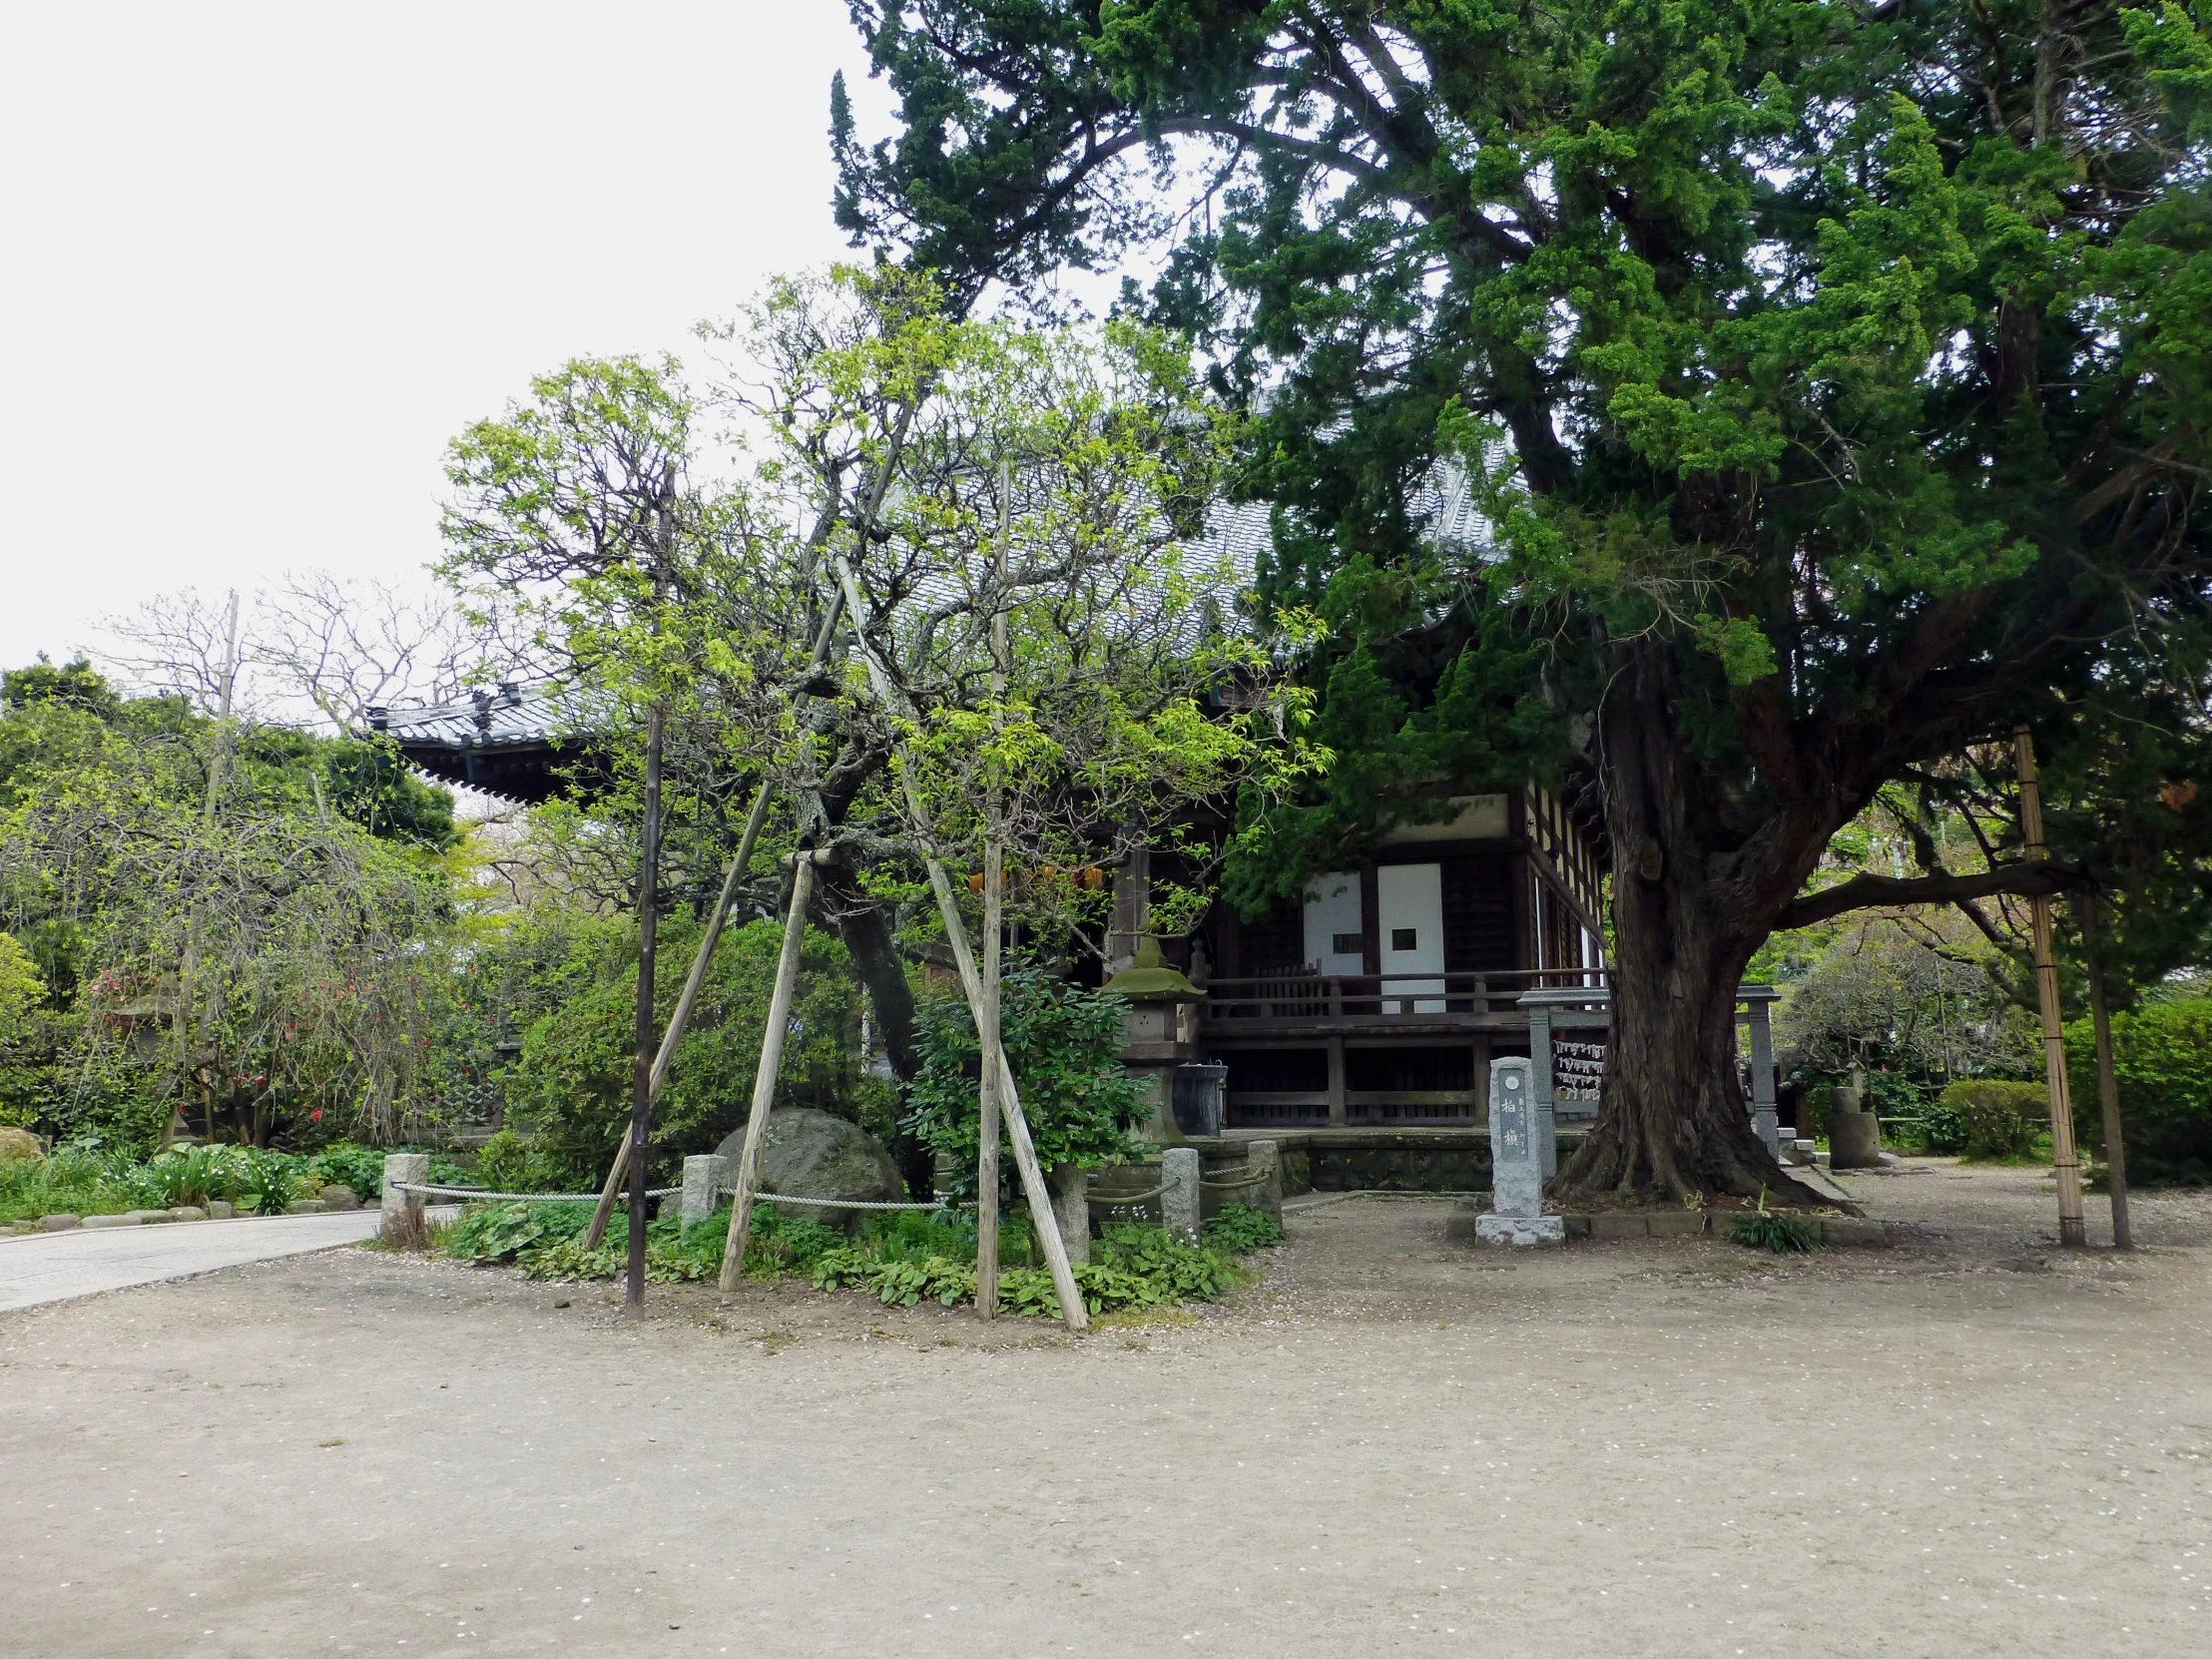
[991, 1054]
[764, 1078]
[987, 1024]
[641, 1091]
[1039, 1196]
[2108, 1084]
[739, 862]
[2072, 1231]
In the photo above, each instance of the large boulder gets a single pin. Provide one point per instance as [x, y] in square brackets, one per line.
[19, 1146]
[811, 1154]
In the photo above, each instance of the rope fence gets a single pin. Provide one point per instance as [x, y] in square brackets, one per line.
[837, 1202]
[1250, 1177]
[426, 1190]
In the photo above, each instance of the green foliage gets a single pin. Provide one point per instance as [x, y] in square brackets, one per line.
[1772, 1229]
[571, 1084]
[1238, 1230]
[370, 783]
[270, 1182]
[568, 1258]
[901, 1258]
[1999, 1119]
[509, 1164]
[77, 685]
[346, 1163]
[72, 1182]
[2163, 1053]
[1064, 1044]
[264, 964]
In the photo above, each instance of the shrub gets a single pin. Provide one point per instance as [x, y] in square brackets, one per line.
[1238, 1230]
[1999, 1118]
[1772, 1229]
[1065, 1047]
[348, 1165]
[571, 1083]
[2162, 1054]
[507, 1164]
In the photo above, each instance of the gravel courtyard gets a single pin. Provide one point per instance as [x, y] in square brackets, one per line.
[1966, 1444]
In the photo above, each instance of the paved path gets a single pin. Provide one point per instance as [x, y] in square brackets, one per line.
[53, 1267]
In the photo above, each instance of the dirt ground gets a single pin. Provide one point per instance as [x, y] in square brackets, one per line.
[1970, 1444]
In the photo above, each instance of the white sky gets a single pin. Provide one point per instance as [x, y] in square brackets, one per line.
[258, 262]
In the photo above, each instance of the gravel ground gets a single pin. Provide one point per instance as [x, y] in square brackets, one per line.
[1969, 1444]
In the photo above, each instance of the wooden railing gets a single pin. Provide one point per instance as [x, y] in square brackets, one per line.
[1308, 994]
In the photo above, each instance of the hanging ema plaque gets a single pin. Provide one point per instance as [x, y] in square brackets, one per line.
[1576, 1068]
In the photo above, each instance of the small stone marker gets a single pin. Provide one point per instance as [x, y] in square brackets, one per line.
[1516, 1162]
[705, 1175]
[403, 1166]
[1071, 1209]
[1179, 1167]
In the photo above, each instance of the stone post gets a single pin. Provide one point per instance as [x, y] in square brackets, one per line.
[1539, 1055]
[705, 1175]
[411, 1167]
[1265, 1194]
[1179, 1167]
[1516, 1162]
[1761, 998]
[1071, 1209]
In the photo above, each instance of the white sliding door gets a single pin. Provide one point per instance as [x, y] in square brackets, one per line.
[1336, 925]
[1410, 916]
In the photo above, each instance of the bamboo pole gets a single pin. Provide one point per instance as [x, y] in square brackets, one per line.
[763, 1077]
[640, 1087]
[2072, 1231]
[1041, 1213]
[739, 862]
[991, 1041]
[2108, 1084]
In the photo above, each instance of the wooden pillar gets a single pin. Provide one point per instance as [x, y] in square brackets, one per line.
[2072, 1231]
[1132, 909]
[1339, 1113]
[1481, 1113]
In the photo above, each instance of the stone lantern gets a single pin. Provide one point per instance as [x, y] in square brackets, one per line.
[1151, 1047]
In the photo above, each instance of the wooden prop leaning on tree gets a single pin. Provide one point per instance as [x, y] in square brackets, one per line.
[739, 862]
[894, 703]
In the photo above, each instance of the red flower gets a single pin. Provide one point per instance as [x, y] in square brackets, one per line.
[316, 1116]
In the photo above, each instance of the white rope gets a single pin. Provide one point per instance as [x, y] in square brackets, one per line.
[521, 1198]
[837, 1202]
[1111, 1201]
[1250, 1177]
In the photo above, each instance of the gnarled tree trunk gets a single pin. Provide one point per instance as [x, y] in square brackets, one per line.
[1694, 893]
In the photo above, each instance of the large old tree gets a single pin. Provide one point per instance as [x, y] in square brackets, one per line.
[1834, 376]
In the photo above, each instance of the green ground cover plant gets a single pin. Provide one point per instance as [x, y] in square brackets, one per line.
[84, 1180]
[900, 1258]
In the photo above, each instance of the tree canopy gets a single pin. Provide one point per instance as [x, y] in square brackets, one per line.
[1830, 375]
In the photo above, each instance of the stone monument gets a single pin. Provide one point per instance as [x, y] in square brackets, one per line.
[1516, 1162]
[1854, 1138]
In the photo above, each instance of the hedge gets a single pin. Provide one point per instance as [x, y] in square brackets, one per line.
[1997, 1118]
[2163, 1055]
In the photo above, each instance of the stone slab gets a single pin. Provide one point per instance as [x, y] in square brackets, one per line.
[1521, 1231]
[1676, 1224]
[307, 1207]
[61, 1223]
[188, 1212]
[1611, 1225]
[130, 1218]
